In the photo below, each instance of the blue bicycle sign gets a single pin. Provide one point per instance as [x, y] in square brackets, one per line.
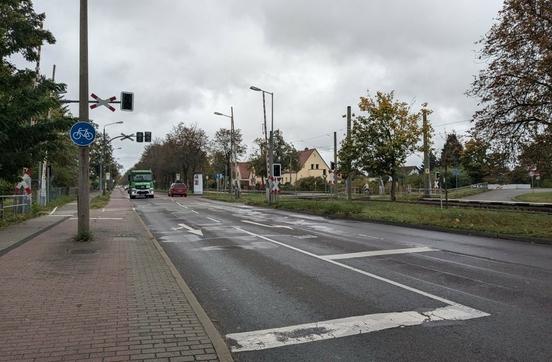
[82, 133]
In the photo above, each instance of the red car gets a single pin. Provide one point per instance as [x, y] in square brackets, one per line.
[178, 188]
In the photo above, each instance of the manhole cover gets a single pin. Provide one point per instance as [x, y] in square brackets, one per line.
[82, 251]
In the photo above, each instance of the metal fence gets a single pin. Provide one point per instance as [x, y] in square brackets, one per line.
[12, 205]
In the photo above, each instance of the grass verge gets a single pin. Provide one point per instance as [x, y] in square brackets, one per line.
[100, 201]
[535, 197]
[496, 223]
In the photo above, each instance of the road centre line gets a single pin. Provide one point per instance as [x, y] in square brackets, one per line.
[195, 211]
[345, 266]
[268, 226]
[215, 220]
[363, 254]
[53, 211]
[343, 327]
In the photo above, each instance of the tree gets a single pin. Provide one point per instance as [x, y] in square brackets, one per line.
[483, 165]
[283, 152]
[26, 133]
[385, 137]
[538, 155]
[515, 89]
[221, 147]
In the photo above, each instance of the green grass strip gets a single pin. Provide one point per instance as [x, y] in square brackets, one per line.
[500, 223]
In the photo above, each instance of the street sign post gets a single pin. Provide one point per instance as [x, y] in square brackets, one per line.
[82, 133]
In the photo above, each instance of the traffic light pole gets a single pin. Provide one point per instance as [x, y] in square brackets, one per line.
[83, 202]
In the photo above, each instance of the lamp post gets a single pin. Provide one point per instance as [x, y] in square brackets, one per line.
[232, 155]
[102, 158]
[271, 144]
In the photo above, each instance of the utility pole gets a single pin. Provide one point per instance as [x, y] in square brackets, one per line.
[348, 182]
[44, 180]
[427, 171]
[83, 202]
[335, 165]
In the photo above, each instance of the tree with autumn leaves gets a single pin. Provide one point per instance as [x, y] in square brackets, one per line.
[382, 139]
[515, 87]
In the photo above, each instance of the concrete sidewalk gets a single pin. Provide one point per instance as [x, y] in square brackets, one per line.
[115, 298]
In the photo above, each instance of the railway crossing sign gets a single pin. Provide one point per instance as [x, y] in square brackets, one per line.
[103, 102]
[82, 133]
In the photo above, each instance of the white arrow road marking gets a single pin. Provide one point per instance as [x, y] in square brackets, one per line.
[189, 228]
[337, 328]
[268, 226]
[363, 254]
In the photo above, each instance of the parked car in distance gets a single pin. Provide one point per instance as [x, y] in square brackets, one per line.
[178, 188]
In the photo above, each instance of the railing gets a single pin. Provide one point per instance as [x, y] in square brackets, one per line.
[14, 205]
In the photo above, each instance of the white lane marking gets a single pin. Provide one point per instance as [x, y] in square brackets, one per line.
[189, 228]
[195, 212]
[308, 236]
[53, 211]
[369, 236]
[251, 246]
[268, 226]
[389, 281]
[179, 204]
[215, 220]
[337, 328]
[363, 254]
[100, 218]
[103, 210]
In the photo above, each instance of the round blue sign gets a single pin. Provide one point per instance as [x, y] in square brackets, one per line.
[82, 133]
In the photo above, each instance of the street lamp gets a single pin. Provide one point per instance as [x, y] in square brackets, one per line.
[271, 144]
[232, 156]
[102, 188]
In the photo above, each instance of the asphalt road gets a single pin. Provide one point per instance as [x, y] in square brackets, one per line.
[282, 286]
[502, 195]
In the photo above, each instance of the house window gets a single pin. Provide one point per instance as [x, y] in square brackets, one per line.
[317, 166]
[312, 166]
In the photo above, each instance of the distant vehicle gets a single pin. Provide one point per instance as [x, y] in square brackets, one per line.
[140, 183]
[178, 188]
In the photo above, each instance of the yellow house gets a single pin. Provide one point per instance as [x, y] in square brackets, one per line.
[311, 163]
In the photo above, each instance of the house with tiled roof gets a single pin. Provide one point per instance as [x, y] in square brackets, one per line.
[245, 173]
[311, 163]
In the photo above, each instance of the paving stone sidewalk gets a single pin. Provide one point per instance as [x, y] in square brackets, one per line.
[112, 299]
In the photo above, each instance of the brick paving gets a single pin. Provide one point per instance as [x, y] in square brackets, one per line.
[112, 299]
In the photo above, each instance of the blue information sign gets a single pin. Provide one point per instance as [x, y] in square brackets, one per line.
[82, 133]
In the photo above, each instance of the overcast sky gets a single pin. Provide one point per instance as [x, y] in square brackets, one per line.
[185, 60]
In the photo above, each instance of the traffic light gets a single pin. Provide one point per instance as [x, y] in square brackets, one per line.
[127, 101]
[332, 165]
[147, 136]
[139, 137]
[276, 170]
